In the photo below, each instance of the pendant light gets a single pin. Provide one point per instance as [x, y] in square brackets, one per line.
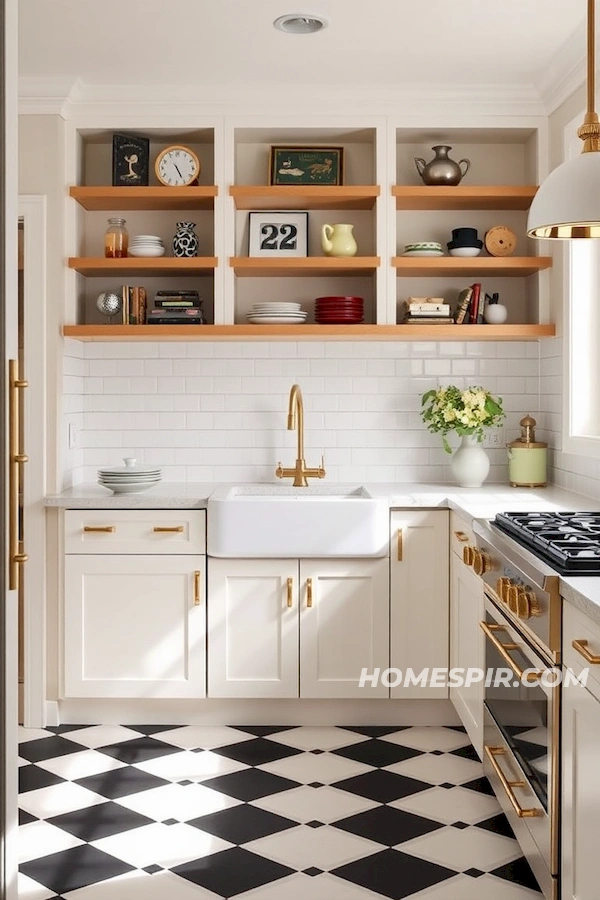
[567, 204]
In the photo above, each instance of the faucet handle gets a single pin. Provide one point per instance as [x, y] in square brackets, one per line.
[322, 466]
[279, 470]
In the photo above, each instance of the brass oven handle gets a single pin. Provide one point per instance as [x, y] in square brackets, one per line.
[461, 536]
[168, 529]
[492, 753]
[290, 588]
[16, 556]
[503, 651]
[581, 647]
[196, 588]
[309, 597]
[105, 529]
[400, 544]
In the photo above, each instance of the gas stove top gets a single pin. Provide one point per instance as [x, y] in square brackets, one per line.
[568, 541]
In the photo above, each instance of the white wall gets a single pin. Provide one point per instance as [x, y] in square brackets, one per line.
[211, 411]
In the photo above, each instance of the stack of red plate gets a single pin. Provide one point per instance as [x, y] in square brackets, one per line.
[339, 310]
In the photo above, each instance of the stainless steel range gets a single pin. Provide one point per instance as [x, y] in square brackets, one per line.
[522, 626]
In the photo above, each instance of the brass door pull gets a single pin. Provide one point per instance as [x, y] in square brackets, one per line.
[581, 647]
[503, 651]
[16, 556]
[309, 596]
[168, 529]
[492, 753]
[461, 536]
[104, 529]
[196, 588]
[400, 544]
[290, 588]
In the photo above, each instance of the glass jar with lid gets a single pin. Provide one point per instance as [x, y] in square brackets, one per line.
[116, 239]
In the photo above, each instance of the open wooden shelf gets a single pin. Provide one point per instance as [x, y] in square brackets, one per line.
[148, 266]
[309, 332]
[503, 196]
[453, 266]
[306, 266]
[297, 196]
[145, 198]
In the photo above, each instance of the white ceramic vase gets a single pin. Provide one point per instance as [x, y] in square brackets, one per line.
[470, 464]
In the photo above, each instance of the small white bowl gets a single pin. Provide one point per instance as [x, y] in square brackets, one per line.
[146, 251]
[465, 251]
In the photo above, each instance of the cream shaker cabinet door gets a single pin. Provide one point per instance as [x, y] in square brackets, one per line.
[580, 794]
[252, 628]
[419, 564]
[135, 626]
[344, 626]
[467, 646]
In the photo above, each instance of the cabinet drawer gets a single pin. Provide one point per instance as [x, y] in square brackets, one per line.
[461, 534]
[579, 627]
[152, 531]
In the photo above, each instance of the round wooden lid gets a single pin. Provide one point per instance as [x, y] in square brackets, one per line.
[500, 241]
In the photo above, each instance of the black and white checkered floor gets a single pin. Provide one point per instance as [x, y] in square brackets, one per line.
[261, 813]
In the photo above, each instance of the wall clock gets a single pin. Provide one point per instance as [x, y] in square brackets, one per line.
[177, 166]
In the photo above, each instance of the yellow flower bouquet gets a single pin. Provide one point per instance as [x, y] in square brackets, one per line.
[465, 412]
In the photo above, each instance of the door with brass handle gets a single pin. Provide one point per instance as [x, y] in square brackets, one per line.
[290, 592]
[196, 588]
[16, 458]
[400, 544]
[309, 592]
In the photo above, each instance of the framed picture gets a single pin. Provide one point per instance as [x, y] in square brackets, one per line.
[303, 165]
[277, 233]
[130, 159]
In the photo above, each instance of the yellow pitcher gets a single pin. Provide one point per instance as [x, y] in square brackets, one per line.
[338, 240]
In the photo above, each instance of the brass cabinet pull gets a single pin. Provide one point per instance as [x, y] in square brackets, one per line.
[104, 529]
[400, 544]
[290, 588]
[468, 555]
[168, 529]
[461, 536]
[492, 753]
[309, 592]
[581, 647]
[196, 588]
[503, 651]
[16, 555]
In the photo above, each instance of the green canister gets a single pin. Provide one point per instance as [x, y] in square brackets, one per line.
[527, 457]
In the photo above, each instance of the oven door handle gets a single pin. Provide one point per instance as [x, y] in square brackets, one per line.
[492, 753]
[503, 651]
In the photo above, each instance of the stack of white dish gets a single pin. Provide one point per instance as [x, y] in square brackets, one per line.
[281, 313]
[146, 245]
[423, 248]
[129, 479]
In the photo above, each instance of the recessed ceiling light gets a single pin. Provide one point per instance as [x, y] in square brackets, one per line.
[297, 23]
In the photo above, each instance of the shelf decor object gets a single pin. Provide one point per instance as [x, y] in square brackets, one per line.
[305, 165]
[177, 166]
[282, 234]
[130, 160]
[566, 205]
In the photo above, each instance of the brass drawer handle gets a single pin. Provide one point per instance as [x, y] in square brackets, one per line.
[492, 753]
[290, 588]
[581, 647]
[104, 529]
[168, 529]
[196, 588]
[309, 597]
[461, 536]
[400, 544]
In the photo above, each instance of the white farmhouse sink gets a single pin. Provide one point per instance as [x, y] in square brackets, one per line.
[265, 520]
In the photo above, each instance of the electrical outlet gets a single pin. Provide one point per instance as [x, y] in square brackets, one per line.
[494, 438]
[73, 436]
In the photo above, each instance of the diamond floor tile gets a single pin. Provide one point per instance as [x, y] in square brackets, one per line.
[148, 812]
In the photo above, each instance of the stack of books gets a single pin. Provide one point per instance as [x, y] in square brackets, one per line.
[134, 305]
[427, 311]
[470, 306]
[176, 308]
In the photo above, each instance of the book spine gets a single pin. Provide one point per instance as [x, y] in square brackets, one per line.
[134, 303]
[474, 304]
[125, 310]
[463, 306]
[143, 305]
[176, 303]
[481, 307]
[161, 320]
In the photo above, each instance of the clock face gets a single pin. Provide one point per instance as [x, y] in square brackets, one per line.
[177, 166]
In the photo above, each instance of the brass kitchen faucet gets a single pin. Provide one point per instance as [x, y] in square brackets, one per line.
[296, 420]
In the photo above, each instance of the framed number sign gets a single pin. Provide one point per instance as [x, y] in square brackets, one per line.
[278, 234]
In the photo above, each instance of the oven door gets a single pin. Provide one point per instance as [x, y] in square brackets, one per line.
[521, 734]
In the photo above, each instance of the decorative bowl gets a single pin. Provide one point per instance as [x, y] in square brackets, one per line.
[465, 251]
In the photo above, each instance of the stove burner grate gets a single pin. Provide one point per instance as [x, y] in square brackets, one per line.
[568, 541]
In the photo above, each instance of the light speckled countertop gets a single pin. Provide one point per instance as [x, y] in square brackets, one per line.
[474, 503]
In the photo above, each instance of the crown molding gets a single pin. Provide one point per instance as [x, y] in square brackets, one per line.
[567, 72]
[75, 99]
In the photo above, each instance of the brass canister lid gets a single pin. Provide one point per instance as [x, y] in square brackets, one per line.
[527, 439]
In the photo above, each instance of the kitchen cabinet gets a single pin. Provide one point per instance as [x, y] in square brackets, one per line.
[579, 769]
[419, 596]
[289, 628]
[467, 649]
[134, 604]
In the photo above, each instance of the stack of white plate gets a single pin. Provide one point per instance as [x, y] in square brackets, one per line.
[277, 313]
[129, 479]
[146, 245]
[423, 248]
